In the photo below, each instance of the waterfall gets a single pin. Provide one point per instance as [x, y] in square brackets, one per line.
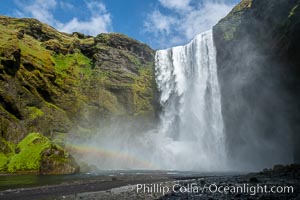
[190, 134]
[191, 104]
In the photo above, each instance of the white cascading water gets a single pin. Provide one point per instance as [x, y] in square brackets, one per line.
[190, 135]
[191, 116]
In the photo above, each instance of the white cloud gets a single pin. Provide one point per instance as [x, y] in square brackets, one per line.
[66, 5]
[183, 20]
[40, 9]
[95, 25]
[99, 20]
[176, 4]
[199, 20]
[159, 23]
[96, 7]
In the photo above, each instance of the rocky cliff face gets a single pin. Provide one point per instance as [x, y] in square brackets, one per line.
[55, 83]
[258, 46]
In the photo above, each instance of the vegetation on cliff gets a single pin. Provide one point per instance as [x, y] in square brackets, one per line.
[37, 154]
[55, 83]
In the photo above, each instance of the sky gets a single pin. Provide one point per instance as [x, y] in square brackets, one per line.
[158, 23]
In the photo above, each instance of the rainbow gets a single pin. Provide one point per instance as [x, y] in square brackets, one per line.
[104, 153]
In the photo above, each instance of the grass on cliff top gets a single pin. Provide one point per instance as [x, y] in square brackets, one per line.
[32, 50]
[234, 18]
[30, 155]
[242, 5]
[6, 35]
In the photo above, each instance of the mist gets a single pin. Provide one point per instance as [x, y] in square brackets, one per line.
[258, 105]
[252, 132]
[189, 135]
[239, 114]
[256, 110]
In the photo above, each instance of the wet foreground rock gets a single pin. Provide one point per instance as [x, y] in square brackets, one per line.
[285, 183]
[281, 183]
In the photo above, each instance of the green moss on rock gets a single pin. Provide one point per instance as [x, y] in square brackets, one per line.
[72, 64]
[36, 153]
[29, 153]
[3, 162]
[35, 112]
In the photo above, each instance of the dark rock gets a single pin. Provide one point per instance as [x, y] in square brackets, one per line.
[292, 170]
[11, 62]
[10, 106]
[278, 167]
[29, 66]
[258, 55]
[20, 34]
[253, 180]
[265, 170]
[122, 42]
[58, 165]
[80, 35]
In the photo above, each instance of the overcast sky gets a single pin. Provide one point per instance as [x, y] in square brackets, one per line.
[159, 23]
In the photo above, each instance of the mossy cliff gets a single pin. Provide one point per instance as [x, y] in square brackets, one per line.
[35, 154]
[55, 83]
[258, 55]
